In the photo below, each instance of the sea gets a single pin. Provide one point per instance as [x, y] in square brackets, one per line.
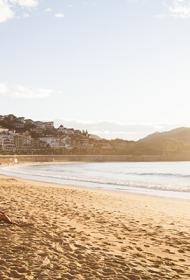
[165, 179]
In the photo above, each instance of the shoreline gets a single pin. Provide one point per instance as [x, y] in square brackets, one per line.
[152, 192]
[104, 190]
[114, 192]
[70, 233]
[92, 158]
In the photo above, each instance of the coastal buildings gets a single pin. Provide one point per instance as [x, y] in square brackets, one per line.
[25, 136]
[62, 130]
[22, 141]
[20, 135]
[2, 129]
[7, 142]
[57, 142]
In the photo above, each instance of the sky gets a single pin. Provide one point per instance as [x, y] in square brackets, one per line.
[122, 62]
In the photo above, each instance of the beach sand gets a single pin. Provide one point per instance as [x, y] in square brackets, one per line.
[69, 233]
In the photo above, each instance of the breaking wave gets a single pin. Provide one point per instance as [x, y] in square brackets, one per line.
[168, 179]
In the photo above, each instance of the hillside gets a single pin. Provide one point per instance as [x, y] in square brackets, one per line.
[25, 136]
[163, 143]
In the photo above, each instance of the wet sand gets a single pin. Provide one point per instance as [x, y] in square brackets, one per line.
[69, 233]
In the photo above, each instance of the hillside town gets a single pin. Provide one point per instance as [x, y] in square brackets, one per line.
[25, 136]
[21, 136]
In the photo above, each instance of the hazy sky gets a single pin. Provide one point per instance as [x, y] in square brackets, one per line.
[125, 61]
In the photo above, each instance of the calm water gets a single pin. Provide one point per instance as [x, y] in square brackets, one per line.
[156, 178]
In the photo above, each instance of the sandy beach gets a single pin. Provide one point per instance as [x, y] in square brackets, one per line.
[69, 233]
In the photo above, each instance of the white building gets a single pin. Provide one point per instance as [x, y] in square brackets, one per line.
[55, 142]
[7, 142]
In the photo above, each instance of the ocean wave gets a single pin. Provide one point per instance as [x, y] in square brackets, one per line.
[78, 179]
[163, 174]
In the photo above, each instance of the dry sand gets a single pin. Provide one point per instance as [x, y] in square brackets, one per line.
[68, 233]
